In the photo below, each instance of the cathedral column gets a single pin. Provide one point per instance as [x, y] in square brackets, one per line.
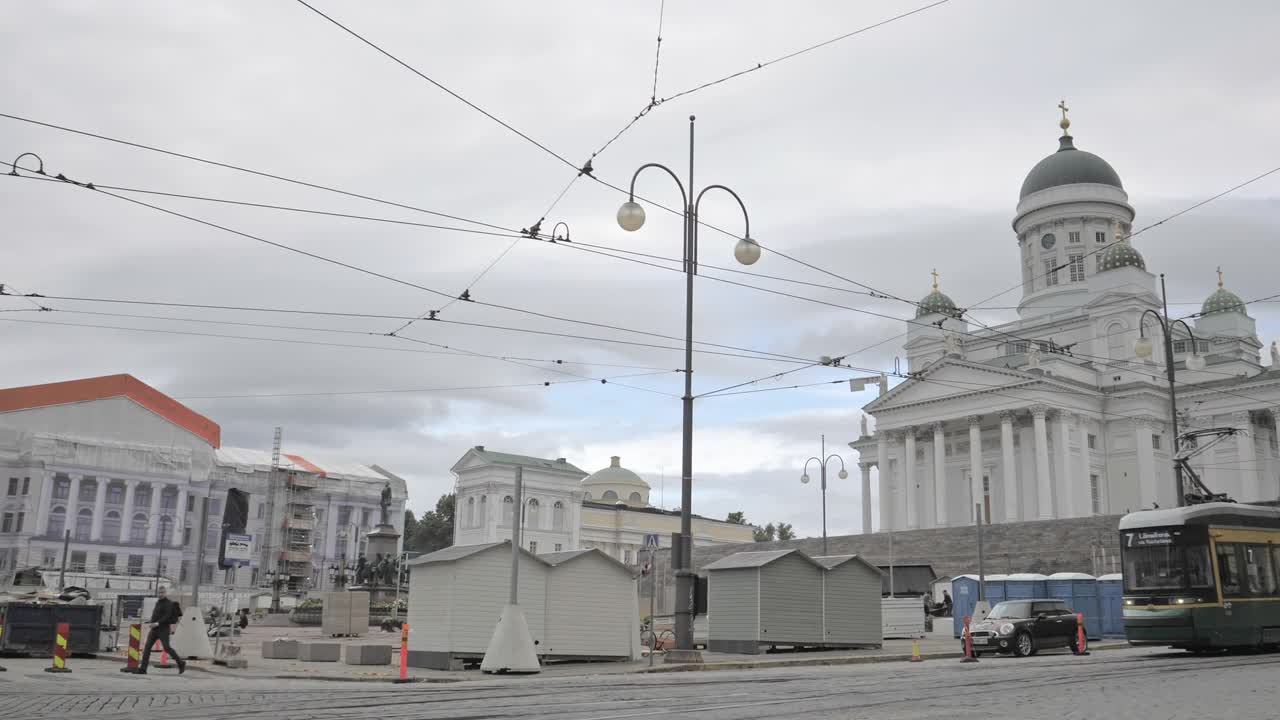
[99, 509]
[866, 497]
[911, 500]
[153, 522]
[126, 515]
[1146, 461]
[1044, 489]
[940, 474]
[886, 480]
[1008, 471]
[47, 480]
[899, 475]
[180, 517]
[1062, 461]
[975, 465]
[73, 501]
[1250, 487]
[1084, 490]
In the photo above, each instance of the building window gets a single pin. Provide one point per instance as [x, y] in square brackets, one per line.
[21, 521]
[6, 525]
[142, 497]
[107, 562]
[557, 516]
[1050, 273]
[211, 538]
[531, 515]
[1100, 238]
[533, 546]
[49, 559]
[471, 512]
[84, 523]
[111, 526]
[1073, 237]
[626, 556]
[138, 529]
[215, 507]
[558, 546]
[169, 500]
[636, 498]
[262, 510]
[115, 495]
[191, 503]
[164, 536]
[88, 490]
[79, 559]
[364, 518]
[484, 510]
[508, 506]
[186, 537]
[57, 522]
[1155, 442]
[344, 515]
[13, 486]
[184, 571]
[1077, 268]
[609, 495]
[1017, 348]
[206, 574]
[1093, 441]
[1179, 346]
[26, 486]
[61, 488]
[1095, 494]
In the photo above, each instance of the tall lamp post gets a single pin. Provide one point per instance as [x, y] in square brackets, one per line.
[822, 464]
[1195, 361]
[631, 217]
[164, 537]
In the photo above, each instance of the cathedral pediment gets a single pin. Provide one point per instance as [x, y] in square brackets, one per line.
[952, 378]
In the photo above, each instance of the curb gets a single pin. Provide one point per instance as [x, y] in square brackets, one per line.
[351, 679]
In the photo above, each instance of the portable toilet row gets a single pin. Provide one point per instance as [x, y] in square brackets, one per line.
[1081, 592]
[1111, 602]
[964, 594]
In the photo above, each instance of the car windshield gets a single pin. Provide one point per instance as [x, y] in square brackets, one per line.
[1011, 610]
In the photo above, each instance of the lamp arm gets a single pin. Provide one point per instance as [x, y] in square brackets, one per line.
[684, 197]
[745, 217]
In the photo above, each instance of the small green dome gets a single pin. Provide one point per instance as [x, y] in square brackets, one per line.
[1222, 301]
[936, 303]
[1119, 255]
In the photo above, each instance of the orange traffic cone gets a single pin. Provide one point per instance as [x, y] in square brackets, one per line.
[915, 651]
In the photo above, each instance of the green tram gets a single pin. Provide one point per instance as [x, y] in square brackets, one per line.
[1202, 577]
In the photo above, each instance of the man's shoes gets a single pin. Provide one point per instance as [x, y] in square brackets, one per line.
[182, 667]
[140, 671]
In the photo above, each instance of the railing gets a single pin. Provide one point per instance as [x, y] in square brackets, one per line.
[295, 523]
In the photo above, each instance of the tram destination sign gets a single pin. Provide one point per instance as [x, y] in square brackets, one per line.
[1150, 538]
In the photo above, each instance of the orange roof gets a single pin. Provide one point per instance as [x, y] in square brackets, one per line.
[306, 464]
[109, 386]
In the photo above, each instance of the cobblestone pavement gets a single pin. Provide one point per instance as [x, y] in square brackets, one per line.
[1128, 683]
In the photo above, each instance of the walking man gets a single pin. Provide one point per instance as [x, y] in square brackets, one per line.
[165, 615]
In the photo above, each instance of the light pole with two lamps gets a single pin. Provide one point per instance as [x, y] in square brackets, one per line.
[822, 464]
[1195, 361]
[631, 217]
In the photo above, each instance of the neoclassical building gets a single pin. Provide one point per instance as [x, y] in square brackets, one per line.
[1063, 412]
[568, 509]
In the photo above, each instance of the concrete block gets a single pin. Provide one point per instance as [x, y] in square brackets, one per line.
[368, 654]
[280, 649]
[319, 652]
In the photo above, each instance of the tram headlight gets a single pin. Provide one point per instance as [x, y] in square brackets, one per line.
[1185, 600]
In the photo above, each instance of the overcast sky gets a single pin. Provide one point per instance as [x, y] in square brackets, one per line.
[878, 158]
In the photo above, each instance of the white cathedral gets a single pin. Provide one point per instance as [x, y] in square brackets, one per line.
[1065, 412]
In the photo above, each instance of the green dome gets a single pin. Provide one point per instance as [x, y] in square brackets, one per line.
[1222, 301]
[936, 303]
[1119, 255]
[1069, 166]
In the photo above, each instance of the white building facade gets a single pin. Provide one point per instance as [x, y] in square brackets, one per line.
[1057, 414]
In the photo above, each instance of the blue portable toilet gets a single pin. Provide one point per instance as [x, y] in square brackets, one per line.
[1111, 601]
[996, 588]
[1025, 586]
[964, 597]
[1080, 591]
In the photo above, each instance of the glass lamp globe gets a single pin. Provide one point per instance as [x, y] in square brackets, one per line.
[804, 479]
[844, 474]
[747, 251]
[1195, 361]
[631, 216]
[1142, 348]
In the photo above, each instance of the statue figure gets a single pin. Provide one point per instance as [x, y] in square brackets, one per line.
[1275, 356]
[864, 419]
[385, 503]
[389, 572]
[1033, 357]
[362, 571]
[952, 341]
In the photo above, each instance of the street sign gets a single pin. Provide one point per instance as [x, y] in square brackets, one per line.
[238, 549]
[651, 540]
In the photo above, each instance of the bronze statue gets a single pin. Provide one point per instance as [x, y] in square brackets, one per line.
[385, 503]
[362, 571]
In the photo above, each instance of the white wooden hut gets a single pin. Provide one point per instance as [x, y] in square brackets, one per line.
[758, 600]
[592, 608]
[851, 612]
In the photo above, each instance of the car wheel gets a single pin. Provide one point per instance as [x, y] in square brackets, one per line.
[1024, 644]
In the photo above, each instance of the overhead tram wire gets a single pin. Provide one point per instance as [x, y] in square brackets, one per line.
[397, 391]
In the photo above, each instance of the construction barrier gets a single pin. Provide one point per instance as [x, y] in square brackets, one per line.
[134, 653]
[969, 656]
[404, 654]
[1082, 642]
[60, 643]
[915, 651]
[2, 668]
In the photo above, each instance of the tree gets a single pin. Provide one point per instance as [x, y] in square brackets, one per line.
[737, 518]
[434, 530]
[765, 534]
[785, 532]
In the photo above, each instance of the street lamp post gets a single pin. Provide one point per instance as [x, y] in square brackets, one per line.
[1195, 361]
[631, 217]
[160, 558]
[822, 464]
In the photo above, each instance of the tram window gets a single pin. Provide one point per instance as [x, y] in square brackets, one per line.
[1199, 567]
[1229, 569]
[1262, 580]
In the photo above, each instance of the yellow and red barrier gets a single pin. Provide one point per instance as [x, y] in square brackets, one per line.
[134, 653]
[61, 643]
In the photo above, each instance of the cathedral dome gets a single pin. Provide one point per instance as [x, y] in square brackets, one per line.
[1069, 166]
[936, 302]
[1222, 301]
[616, 484]
[1121, 254]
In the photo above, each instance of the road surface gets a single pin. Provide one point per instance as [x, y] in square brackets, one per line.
[1128, 683]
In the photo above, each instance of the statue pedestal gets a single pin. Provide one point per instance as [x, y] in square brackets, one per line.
[382, 540]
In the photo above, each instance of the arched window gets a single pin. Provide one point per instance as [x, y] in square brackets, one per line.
[138, 529]
[484, 510]
[1119, 341]
[587, 496]
[531, 517]
[557, 516]
[57, 522]
[111, 526]
[610, 495]
[508, 510]
[471, 512]
[169, 499]
[165, 534]
[636, 498]
[84, 522]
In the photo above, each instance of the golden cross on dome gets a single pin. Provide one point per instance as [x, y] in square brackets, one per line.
[1064, 123]
[1219, 276]
[935, 278]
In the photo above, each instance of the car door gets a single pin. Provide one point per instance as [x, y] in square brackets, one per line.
[1048, 624]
